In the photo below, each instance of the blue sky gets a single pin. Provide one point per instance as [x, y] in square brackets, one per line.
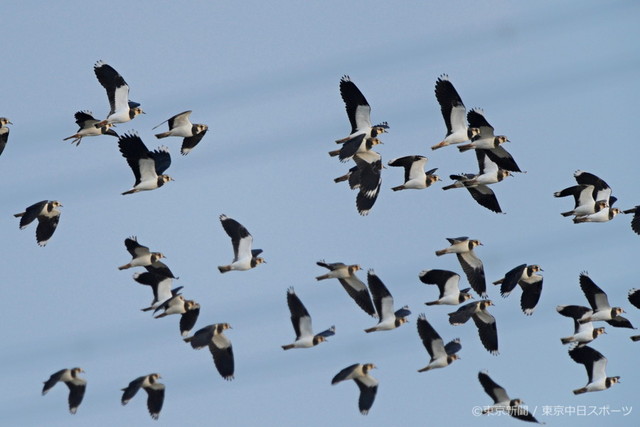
[559, 79]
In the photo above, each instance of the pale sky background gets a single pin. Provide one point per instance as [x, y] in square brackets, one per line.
[560, 79]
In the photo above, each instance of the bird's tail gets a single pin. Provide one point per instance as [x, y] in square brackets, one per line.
[18, 215]
[465, 147]
[580, 390]
[163, 135]
[287, 347]
[398, 188]
[566, 340]
[124, 267]
[224, 268]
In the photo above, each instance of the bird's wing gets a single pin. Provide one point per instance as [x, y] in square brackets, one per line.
[117, 89]
[358, 109]
[45, 229]
[161, 158]
[300, 318]
[497, 393]
[222, 353]
[597, 298]
[511, 279]
[487, 329]
[430, 338]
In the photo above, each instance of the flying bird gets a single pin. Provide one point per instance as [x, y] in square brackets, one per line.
[76, 385]
[383, 302]
[366, 383]
[530, 282]
[154, 389]
[595, 364]
[359, 113]
[453, 112]
[48, 216]
[4, 132]
[188, 309]
[583, 333]
[415, 177]
[213, 336]
[122, 110]
[470, 263]
[485, 322]
[148, 166]
[88, 127]
[356, 289]
[141, 255]
[478, 184]
[441, 355]
[181, 126]
[244, 258]
[604, 215]
[301, 321]
[447, 281]
[502, 402]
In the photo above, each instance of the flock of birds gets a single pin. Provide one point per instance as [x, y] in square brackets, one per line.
[468, 131]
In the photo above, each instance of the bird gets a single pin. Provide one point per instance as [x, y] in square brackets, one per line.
[244, 258]
[441, 355]
[453, 112]
[141, 255]
[601, 310]
[487, 140]
[583, 333]
[485, 322]
[219, 345]
[122, 110]
[502, 402]
[88, 127]
[470, 263]
[635, 221]
[301, 321]
[154, 389]
[181, 126]
[383, 302]
[48, 216]
[4, 132]
[148, 166]
[188, 309]
[356, 289]
[530, 282]
[604, 215]
[415, 178]
[595, 364]
[359, 113]
[584, 204]
[447, 281]
[477, 184]
[368, 385]
[77, 385]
